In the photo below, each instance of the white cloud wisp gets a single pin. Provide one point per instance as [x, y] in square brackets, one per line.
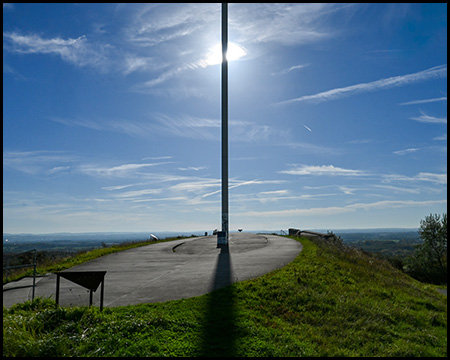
[434, 72]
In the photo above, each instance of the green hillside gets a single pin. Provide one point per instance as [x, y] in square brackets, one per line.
[330, 301]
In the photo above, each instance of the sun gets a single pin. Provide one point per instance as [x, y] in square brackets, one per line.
[234, 52]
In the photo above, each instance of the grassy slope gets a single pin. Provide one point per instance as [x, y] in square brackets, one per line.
[330, 301]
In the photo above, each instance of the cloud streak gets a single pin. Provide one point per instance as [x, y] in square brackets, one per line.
[238, 183]
[209, 129]
[78, 51]
[429, 119]
[125, 170]
[37, 162]
[422, 176]
[322, 170]
[395, 81]
[286, 24]
[334, 210]
[425, 101]
[288, 70]
[406, 151]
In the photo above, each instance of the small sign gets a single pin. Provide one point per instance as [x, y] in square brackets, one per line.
[87, 279]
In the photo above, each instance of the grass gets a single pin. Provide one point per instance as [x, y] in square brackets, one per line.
[330, 301]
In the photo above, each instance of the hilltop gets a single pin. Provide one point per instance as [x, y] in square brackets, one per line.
[332, 300]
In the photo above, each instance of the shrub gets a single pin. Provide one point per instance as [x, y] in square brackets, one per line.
[429, 262]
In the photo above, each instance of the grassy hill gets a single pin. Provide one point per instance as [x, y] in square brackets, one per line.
[330, 301]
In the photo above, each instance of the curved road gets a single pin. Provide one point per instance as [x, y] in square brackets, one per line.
[167, 271]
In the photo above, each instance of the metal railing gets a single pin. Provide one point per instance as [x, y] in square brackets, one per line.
[8, 267]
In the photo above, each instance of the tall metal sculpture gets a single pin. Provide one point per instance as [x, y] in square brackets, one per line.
[222, 237]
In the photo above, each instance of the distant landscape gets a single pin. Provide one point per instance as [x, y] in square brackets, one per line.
[394, 245]
[383, 241]
[75, 242]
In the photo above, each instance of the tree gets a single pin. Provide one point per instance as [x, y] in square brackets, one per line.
[429, 262]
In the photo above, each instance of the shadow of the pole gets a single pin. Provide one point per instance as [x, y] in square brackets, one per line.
[219, 320]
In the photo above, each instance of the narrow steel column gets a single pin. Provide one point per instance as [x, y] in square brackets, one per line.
[102, 292]
[223, 239]
[57, 289]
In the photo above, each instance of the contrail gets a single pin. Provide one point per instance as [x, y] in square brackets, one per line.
[395, 81]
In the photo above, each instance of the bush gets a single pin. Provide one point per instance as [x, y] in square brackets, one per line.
[429, 262]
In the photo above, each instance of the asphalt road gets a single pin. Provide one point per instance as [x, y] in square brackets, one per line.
[166, 271]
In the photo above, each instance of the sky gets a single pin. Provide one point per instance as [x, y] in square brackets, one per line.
[112, 116]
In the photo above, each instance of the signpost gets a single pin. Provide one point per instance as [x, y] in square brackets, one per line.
[87, 279]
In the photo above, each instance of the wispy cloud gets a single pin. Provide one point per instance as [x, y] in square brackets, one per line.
[38, 162]
[429, 119]
[77, 51]
[134, 62]
[288, 70]
[274, 193]
[405, 151]
[239, 183]
[41, 162]
[128, 127]
[395, 81]
[196, 185]
[321, 170]
[431, 177]
[182, 27]
[117, 187]
[422, 176]
[249, 131]
[167, 41]
[192, 168]
[162, 78]
[7, 69]
[121, 171]
[361, 141]
[137, 193]
[193, 127]
[425, 101]
[158, 158]
[441, 137]
[334, 210]
[81, 51]
[86, 123]
[188, 126]
[312, 148]
[286, 24]
[154, 24]
[398, 189]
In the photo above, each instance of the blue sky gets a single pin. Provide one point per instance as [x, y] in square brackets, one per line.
[111, 116]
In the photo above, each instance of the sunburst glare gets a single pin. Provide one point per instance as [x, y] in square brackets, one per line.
[234, 52]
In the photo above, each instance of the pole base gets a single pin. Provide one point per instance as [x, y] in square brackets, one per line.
[222, 238]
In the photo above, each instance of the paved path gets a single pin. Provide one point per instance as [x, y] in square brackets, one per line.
[166, 271]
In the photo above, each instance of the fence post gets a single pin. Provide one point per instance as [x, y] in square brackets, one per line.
[34, 274]
[57, 290]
